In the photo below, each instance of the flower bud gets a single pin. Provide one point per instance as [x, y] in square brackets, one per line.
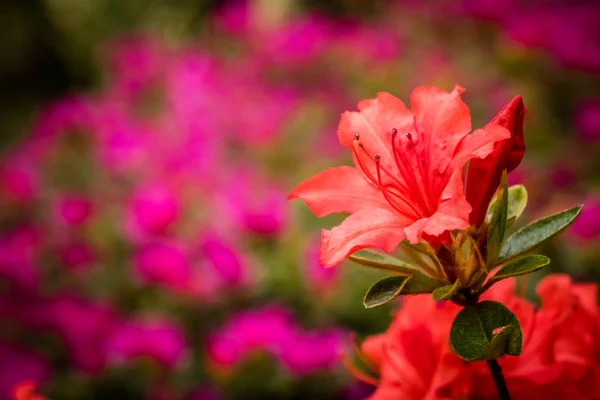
[469, 266]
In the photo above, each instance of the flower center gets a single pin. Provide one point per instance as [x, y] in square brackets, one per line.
[393, 190]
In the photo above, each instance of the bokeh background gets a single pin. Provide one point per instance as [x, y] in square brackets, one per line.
[147, 249]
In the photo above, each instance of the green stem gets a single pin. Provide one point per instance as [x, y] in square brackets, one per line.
[501, 387]
[493, 365]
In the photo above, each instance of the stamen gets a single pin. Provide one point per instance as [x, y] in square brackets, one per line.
[356, 136]
[378, 181]
[384, 191]
[402, 168]
[367, 173]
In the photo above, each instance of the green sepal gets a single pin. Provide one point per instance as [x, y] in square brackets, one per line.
[536, 233]
[522, 265]
[486, 331]
[387, 289]
[372, 259]
[497, 227]
[517, 201]
[446, 292]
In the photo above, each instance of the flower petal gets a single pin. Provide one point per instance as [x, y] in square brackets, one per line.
[338, 190]
[415, 230]
[443, 119]
[451, 215]
[485, 172]
[479, 144]
[511, 117]
[368, 228]
[374, 123]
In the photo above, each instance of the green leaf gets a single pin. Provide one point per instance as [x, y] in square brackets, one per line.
[420, 284]
[387, 289]
[384, 291]
[446, 292]
[497, 228]
[383, 261]
[517, 201]
[519, 266]
[538, 232]
[486, 331]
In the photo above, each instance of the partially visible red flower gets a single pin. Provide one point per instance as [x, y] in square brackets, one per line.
[26, 391]
[560, 358]
[408, 180]
[413, 356]
[484, 174]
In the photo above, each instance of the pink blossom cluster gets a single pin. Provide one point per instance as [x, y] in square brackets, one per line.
[272, 330]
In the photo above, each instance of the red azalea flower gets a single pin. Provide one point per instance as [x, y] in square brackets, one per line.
[26, 391]
[413, 358]
[560, 358]
[408, 180]
[485, 173]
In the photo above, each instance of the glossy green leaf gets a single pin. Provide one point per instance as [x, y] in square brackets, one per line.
[420, 284]
[538, 232]
[497, 228]
[486, 331]
[372, 259]
[384, 291]
[519, 266]
[446, 292]
[517, 201]
[387, 289]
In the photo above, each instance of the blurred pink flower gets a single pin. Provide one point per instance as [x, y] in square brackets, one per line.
[74, 209]
[77, 254]
[18, 257]
[311, 352]
[224, 258]
[255, 205]
[159, 340]
[165, 262]
[134, 63]
[263, 329]
[85, 328]
[272, 330]
[493, 10]
[587, 227]
[587, 120]
[19, 181]
[298, 41]
[153, 209]
[18, 364]
[319, 277]
[68, 114]
[371, 44]
[562, 177]
[234, 17]
[569, 32]
[121, 142]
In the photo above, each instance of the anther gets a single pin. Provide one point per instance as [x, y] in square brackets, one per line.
[356, 136]
[377, 158]
[394, 132]
[409, 136]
